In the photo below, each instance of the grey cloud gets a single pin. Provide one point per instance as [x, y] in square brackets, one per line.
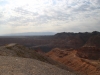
[85, 6]
[2, 22]
[42, 19]
[28, 20]
[15, 19]
[85, 10]
[21, 20]
[24, 12]
[82, 8]
[59, 16]
[98, 1]
[56, 15]
[1, 15]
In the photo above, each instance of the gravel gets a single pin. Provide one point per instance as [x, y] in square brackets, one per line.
[26, 66]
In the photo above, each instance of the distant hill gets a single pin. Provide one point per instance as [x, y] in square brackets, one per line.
[76, 40]
[59, 40]
[93, 41]
[31, 34]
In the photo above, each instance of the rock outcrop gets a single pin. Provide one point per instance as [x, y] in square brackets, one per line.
[71, 59]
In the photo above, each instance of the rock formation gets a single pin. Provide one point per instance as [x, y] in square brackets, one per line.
[74, 60]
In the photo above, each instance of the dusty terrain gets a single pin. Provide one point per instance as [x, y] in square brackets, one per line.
[15, 60]
[27, 66]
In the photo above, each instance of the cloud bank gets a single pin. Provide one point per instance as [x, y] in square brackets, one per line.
[49, 15]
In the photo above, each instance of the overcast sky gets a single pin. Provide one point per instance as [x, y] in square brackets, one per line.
[49, 16]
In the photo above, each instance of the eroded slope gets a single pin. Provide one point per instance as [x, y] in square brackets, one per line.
[75, 62]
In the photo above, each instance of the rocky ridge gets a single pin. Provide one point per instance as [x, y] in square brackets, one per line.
[16, 59]
[74, 60]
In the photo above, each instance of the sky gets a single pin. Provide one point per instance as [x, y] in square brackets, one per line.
[18, 16]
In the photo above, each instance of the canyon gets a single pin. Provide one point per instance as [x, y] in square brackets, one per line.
[76, 52]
